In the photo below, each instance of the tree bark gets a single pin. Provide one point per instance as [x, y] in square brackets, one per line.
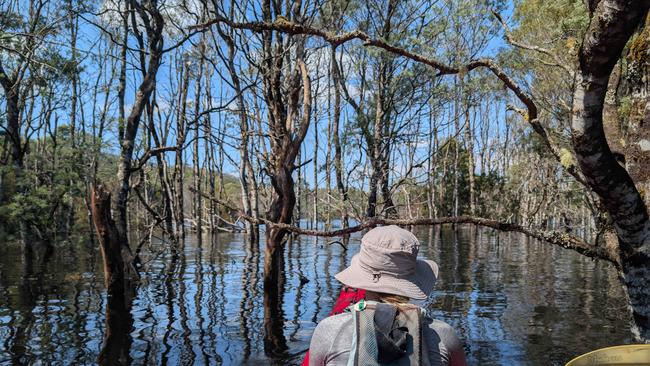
[612, 24]
[198, 205]
[11, 90]
[282, 96]
[111, 225]
[246, 174]
[119, 277]
[117, 258]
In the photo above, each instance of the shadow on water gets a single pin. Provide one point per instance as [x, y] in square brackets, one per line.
[512, 300]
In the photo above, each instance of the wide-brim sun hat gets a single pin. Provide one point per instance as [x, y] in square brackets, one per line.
[387, 262]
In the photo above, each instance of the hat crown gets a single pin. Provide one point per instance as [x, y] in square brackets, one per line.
[389, 249]
[387, 262]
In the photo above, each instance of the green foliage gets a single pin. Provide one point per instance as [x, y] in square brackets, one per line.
[36, 207]
[562, 21]
[51, 190]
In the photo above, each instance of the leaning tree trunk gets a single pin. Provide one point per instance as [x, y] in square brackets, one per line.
[612, 24]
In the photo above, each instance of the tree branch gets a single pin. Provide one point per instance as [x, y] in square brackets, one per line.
[545, 51]
[150, 153]
[564, 240]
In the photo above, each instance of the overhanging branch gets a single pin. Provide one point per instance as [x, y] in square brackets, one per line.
[561, 239]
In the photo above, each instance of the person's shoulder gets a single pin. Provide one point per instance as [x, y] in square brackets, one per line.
[438, 325]
[445, 332]
[333, 325]
[328, 333]
[336, 321]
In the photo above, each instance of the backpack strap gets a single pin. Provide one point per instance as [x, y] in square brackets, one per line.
[364, 349]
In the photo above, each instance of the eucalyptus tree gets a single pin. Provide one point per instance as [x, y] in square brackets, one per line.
[387, 91]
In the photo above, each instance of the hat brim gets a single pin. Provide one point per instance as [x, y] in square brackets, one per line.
[416, 286]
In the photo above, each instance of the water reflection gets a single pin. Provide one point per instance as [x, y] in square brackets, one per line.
[513, 301]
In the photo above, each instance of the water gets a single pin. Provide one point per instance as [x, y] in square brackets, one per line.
[513, 301]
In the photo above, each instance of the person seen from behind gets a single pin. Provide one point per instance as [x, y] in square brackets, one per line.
[385, 328]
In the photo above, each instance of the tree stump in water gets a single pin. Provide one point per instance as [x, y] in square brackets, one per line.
[120, 277]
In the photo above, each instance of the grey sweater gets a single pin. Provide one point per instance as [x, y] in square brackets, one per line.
[332, 341]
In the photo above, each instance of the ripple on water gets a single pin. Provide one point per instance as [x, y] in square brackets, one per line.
[513, 301]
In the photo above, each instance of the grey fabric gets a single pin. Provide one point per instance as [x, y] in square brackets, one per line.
[387, 262]
[332, 340]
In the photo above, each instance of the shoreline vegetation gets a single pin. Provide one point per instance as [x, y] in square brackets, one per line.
[127, 119]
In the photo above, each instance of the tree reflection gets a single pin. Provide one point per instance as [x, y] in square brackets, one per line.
[117, 334]
[275, 344]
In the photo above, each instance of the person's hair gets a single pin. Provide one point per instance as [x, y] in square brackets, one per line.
[391, 299]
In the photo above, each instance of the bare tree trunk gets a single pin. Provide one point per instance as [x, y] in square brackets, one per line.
[179, 164]
[299, 193]
[432, 165]
[111, 222]
[286, 141]
[315, 162]
[119, 274]
[246, 174]
[338, 151]
[328, 164]
[198, 204]
[456, 211]
[469, 143]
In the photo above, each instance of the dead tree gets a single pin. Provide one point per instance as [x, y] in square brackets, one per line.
[111, 224]
[246, 173]
[283, 103]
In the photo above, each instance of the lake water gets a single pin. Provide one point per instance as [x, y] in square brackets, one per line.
[513, 301]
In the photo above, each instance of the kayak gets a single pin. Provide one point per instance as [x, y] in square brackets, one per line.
[630, 355]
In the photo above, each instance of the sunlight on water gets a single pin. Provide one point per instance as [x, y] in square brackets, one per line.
[513, 301]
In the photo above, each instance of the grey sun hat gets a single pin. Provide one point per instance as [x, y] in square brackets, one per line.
[387, 262]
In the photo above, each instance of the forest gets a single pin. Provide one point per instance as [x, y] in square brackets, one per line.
[132, 128]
